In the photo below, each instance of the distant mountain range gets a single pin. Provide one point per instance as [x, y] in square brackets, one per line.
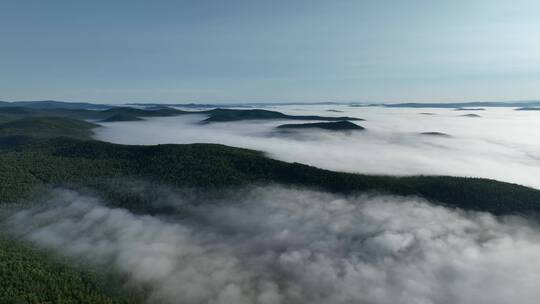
[53, 104]
[477, 104]
[224, 115]
[234, 105]
[114, 114]
[528, 109]
[341, 125]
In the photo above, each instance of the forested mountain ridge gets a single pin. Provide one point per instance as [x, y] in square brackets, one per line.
[40, 153]
[47, 127]
[37, 152]
[341, 125]
[51, 162]
[34, 276]
[225, 115]
[14, 113]
[109, 114]
[54, 104]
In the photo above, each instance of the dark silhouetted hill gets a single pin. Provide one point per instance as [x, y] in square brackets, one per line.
[121, 117]
[224, 115]
[341, 125]
[439, 134]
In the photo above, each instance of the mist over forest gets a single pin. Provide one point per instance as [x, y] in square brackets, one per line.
[269, 204]
[288, 245]
[500, 144]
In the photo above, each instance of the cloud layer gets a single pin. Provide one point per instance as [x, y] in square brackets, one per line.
[502, 144]
[280, 245]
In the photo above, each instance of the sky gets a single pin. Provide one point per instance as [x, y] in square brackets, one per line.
[269, 51]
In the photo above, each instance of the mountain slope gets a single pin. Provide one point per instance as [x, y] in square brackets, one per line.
[208, 166]
[37, 153]
[46, 127]
[341, 125]
[224, 115]
[28, 275]
[53, 104]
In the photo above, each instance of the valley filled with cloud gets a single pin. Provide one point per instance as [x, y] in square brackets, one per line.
[277, 244]
[500, 144]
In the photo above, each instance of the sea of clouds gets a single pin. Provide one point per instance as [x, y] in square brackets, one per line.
[275, 244]
[502, 144]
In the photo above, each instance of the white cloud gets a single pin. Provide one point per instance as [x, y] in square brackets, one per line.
[282, 245]
[502, 144]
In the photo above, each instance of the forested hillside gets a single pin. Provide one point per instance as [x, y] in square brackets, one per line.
[13, 113]
[38, 153]
[223, 115]
[8, 113]
[342, 125]
[52, 162]
[47, 127]
[32, 276]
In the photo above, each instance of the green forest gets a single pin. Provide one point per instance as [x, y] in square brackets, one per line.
[39, 153]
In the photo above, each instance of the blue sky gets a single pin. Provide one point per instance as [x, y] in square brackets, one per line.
[269, 51]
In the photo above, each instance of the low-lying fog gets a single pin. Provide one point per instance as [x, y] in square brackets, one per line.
[281, 245]
[501, 144]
